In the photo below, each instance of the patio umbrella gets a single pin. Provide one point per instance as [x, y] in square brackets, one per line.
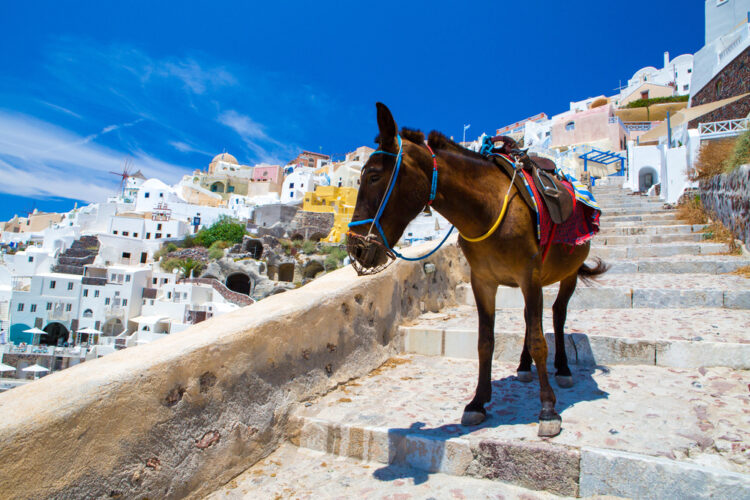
[37, 369]
[87, 331]
[6, 368]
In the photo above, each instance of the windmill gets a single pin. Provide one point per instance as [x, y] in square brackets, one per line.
[124, 175]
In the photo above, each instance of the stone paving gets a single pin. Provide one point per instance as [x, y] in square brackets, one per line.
[699, 324]
[298, 473]
[701, 416]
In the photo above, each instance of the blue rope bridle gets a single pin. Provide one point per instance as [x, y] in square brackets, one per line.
[375, 221]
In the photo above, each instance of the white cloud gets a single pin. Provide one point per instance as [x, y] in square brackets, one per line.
[39, 159]
[254, 136]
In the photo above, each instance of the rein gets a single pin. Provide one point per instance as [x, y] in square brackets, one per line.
[375, 221]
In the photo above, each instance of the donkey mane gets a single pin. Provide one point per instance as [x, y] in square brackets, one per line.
[438, 141]
[414, 135]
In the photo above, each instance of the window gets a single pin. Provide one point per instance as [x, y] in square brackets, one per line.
[230, 189]
[644, 94]
[155, 280]
[169, 295]
[125, 255]
[161, 195]
[106, 301]
[20, 307]
[114, 232]
[685, 87]
[68, 307]
[31, 259]
[33, 308]
[52, 284]
[124, 302]
[158, 235]
[169, 235]
[146, 195]
[291, 194]
[158, 227]
[570, 126]
[85, 292]
[127, 278]
[49, 306]
[96, 293]
[135, 235]
[291, 185]
[126, 233]
[70, 285]
[148, 236]
[88, 313]
[690, 70]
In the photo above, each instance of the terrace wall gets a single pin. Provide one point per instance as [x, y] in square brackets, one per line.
[180, 416]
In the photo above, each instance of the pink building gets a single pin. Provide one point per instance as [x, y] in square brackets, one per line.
[267, 173]
[598, 127]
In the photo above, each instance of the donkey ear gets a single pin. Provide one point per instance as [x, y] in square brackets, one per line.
[386, 124]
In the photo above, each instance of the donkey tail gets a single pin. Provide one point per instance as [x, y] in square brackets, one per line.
[589, 274]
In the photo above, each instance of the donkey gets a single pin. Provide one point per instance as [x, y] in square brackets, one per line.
[396, 183]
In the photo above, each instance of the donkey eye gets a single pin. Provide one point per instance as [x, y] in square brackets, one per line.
[374, 178]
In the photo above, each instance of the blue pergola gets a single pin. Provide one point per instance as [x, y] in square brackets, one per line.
[603, 158]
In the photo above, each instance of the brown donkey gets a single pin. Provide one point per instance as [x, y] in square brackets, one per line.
[470, 192]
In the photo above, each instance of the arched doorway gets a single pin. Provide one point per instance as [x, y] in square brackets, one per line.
[286, 272]
[254, 248]
[647, 177]
[312, 269]
[113, 327]
[57, 333]
[297, 237]
[240, 283]
[217, 187]
[318, 236]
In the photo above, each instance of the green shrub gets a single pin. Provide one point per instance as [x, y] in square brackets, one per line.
[225, 229]
[188, 242]
[308, 247]
[164, 250]
[170, 264]
[331, 263]
[221, 245]
[643, 103]
[215, 253]
[741, 153]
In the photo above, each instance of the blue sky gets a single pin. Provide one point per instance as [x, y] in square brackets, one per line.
[167, 85]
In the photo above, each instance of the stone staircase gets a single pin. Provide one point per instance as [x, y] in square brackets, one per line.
[660, 353]
[83, 251]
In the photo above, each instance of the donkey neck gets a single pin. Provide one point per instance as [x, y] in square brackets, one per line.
[470, 192]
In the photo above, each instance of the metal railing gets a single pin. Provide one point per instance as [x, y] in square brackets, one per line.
[638, 126]
[725, 128]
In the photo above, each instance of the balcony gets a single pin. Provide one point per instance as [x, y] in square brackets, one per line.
[94, 281]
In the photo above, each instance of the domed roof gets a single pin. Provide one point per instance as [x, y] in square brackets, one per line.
[225, 157]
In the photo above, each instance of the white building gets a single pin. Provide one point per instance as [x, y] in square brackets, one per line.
[296, 184]
[676, 73]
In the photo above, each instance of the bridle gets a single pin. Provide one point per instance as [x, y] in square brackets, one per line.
[371, 238]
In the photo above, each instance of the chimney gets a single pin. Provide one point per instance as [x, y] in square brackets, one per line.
[666, 59]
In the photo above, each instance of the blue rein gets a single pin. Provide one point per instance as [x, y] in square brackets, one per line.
[375, 221]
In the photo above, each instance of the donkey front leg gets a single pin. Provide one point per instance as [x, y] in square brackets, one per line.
[559, 313]
[549, 421]
[484, 295]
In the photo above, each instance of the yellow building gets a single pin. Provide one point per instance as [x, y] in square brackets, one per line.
[339, 201]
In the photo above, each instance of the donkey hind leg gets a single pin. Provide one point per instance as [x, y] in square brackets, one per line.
[549, 421]
[524, 367]
[484, 295]
[559, 312]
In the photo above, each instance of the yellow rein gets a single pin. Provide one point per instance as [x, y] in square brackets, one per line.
[499, 219]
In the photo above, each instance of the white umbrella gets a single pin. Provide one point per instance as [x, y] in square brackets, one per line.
[37, 369]
[35, 331]
[6, 368]
[90, 331]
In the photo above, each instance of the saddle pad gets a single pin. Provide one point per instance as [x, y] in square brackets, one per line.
[577, 230]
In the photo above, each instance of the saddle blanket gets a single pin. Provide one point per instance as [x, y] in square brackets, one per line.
[579, 228]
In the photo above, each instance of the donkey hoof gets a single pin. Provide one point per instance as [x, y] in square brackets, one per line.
[564, 381]
[472, 418]
[549, 428]
[525, 376]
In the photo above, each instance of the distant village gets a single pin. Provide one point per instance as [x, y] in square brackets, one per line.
[154, 259]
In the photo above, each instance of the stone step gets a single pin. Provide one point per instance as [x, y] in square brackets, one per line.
[291, 473]
[666, 337]
[650, 291]
[630, 431]
[648, 239]
[680, 264]
[610, 252]
[630, 211]
[639, 218]
[657, 229]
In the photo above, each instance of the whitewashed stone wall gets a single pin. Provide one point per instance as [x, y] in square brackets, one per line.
[727, 196]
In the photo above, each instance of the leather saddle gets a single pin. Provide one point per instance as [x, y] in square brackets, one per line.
[558, 200]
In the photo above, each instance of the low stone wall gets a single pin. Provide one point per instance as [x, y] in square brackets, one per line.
[727, 196]
[180, 416]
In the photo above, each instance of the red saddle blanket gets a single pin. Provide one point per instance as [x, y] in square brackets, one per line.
[577, 230]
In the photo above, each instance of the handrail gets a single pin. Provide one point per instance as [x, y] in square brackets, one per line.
[724, 128]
